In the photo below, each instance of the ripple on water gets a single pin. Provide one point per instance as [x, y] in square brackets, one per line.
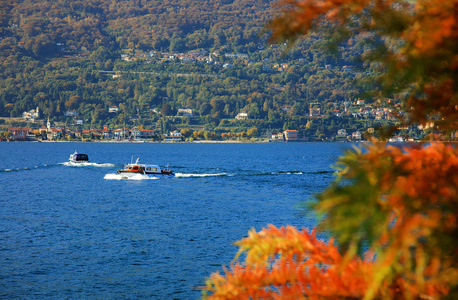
[71, 232]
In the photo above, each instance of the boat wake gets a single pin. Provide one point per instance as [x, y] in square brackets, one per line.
[114, 176]
[295, 172]
[68, 164]
[248, 173]
[87, 164]
[182, 175]
[27, 168]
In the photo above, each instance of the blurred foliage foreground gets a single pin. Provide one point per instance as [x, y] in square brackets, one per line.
[392, 211]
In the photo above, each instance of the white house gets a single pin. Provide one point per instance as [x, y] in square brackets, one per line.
[136, 133]
[113, 109]
[31, 115]
[71, 113]
[121, 133]
[174, 136]
[286, 108]
[278, 137]
[242, 116]
[185, 112]
[341, 133]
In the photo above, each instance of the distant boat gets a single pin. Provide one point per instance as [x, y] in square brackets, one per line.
[78, 158]
[145, 169]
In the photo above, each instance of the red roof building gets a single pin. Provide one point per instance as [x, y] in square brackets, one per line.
[291, 135]
[18, 133]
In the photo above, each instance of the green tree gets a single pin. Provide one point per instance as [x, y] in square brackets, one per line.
[186, 132]
[252, 132]
[166, 110]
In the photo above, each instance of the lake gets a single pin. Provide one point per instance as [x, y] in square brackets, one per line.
[75, 232]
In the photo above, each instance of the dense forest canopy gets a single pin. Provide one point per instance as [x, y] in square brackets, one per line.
[135, 24]
[210, 56]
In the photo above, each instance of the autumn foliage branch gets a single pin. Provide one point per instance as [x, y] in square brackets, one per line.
[285, 263]
[393, 211]
[401, 202]
[403, 206]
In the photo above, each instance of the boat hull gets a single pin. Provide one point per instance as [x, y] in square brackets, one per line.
[163, 173]
[78, 161]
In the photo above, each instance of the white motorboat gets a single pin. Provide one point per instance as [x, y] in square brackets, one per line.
[78, 158]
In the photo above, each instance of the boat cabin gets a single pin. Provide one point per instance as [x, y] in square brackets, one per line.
[78, 158]
[134, 169]
[81, 157]
[152, 169]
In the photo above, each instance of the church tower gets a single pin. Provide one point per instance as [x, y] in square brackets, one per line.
[48, 125]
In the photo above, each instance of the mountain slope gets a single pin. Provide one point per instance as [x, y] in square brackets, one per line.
[39, 25]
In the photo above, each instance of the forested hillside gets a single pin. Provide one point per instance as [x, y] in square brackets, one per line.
[135, 24]
[159, 56]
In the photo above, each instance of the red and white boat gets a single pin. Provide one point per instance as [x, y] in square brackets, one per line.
[144, 169]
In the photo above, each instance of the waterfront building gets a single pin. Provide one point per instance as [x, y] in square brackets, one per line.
[291, 135]
[19, 133]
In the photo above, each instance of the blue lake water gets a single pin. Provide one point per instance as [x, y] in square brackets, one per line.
[67, 232]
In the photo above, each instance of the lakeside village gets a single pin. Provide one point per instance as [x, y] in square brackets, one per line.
[76, 131]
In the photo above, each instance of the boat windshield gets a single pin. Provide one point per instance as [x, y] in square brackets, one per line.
[81, 157]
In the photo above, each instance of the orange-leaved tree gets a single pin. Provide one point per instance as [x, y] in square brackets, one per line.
[392, 211]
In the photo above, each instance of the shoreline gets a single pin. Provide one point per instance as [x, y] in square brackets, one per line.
[150, 142]
[217, 142]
